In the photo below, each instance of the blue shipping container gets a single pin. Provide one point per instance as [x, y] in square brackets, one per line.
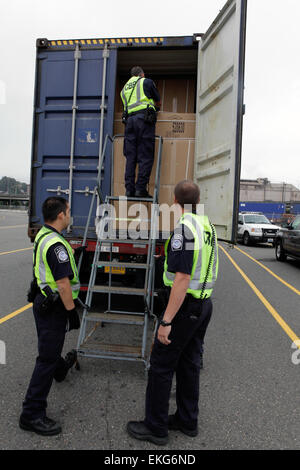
[52, 130]
[68, 97]
[269, 209]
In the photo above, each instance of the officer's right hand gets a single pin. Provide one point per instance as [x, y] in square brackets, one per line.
[163, 333]
[73, 318]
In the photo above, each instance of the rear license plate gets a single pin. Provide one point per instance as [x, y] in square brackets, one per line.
[114, 270]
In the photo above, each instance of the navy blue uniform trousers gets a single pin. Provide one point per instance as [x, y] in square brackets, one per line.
[51, 328]
[139, 144]
[181, 356]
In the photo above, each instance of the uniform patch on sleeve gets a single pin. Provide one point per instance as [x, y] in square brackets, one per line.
[177, 242]
[61, 254]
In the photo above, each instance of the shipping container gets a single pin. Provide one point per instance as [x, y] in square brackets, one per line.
[272, 210]
[76, 105]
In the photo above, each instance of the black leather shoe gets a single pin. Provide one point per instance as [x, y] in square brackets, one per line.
[139, 430]
[130, 193]
[43, 426]
[175, 425]
[143, 194]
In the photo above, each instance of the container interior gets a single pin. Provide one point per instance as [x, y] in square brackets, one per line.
[175, 75]
[174, 72]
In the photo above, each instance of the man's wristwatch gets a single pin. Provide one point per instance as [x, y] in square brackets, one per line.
[164, 323]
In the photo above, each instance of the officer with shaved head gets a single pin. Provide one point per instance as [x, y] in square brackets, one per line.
[190, 272]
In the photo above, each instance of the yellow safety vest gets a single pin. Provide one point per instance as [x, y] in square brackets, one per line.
[133, 96]
[42, 270]
[203, 236]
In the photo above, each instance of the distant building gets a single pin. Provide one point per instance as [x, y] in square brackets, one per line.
[263, 190]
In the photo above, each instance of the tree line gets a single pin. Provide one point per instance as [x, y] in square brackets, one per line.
[12, 186]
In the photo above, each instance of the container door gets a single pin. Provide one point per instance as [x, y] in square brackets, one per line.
[61, 125]
[219, 117]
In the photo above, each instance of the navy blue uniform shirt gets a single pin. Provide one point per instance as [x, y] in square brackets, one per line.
[150, 89]
[58, 259]
[181, 250]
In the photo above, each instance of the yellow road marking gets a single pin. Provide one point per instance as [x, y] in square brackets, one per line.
[15, 313]
[270, 272]
[13, 226]
[267, 304]
[15, 251]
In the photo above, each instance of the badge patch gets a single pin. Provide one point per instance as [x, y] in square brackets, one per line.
[177, 242]
[61, 254]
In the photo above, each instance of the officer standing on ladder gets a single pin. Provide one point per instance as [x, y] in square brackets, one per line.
[190, 272]
[54, 310]
[141, 100]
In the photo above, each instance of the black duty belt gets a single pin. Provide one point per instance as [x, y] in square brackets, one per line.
[191, 298]
[141, 111]
[188, 297]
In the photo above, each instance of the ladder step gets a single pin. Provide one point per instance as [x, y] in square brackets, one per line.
[122, 265]
[119, 290]
[116, 318]
[112, 349]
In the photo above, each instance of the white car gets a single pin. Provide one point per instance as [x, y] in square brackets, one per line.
[256, 228]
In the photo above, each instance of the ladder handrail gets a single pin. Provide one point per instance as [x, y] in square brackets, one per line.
[154, 214]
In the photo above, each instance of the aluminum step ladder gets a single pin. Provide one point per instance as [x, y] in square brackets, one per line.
[87, 346]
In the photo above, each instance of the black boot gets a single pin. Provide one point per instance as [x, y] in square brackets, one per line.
[139, 430]
[43, 426]
[175, 425]
[143, 194]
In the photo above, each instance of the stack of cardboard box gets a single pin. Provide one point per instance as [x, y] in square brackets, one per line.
[177, 95]
[178, 131]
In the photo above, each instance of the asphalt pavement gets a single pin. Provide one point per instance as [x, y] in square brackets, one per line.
[249, 387]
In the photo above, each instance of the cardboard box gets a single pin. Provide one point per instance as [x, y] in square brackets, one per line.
[177, 95]
[172, 125]
[177, 164]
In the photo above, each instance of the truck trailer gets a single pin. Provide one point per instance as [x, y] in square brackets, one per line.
[77, 134]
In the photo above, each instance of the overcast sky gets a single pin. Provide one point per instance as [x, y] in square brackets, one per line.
[271, 136]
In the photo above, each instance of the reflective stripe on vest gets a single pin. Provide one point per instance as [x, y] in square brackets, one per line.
[42, 270]
[202, 252]
[138, 100]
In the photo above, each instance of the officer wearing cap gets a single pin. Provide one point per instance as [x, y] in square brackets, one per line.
[140, 99]
[54, 312]
[190, 272]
